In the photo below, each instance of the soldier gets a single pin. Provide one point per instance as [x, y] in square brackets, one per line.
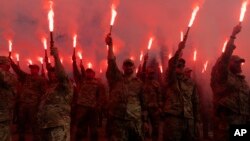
[126, 103]
[54, 108]
[90, 99]
[32, 87]
[181, 104]
[231, 95]
[7, 88]
[153, 97]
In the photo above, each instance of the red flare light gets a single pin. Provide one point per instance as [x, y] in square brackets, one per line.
[243, 10]
[224, 45]
[113, 15]
[40, 59]
[170, 56]
[141, 56]
[161, 69]
[195, 55]
[74, 41]
[132, 58]
[44, 43]
[30, 62]
[182, 35]
[10, 45]
[150, 42]
[51, 17]
[79, 55]
[205, 67]
[61, 60]
[100, 70]
[17, 57]
[196, 9]
[90, 65]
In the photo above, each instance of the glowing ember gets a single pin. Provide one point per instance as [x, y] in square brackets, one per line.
[195, 55]
[79, 55]
[182, 35]
[170, 56]
[243, 10]
[10, 45]
[150, 43]
[161, 69]
[90, 65]
[141, 56]
[113, 15]
[44, 43]
[74, 41]
[17, 57]
[196, 9]
[51, 17]
[40, 59]
[30, 62]
[224, 45]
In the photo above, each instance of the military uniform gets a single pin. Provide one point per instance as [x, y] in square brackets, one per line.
[231, 95]
[126, 104]
[30, 90]
[55, 107]
[181, 105]
[7, 89]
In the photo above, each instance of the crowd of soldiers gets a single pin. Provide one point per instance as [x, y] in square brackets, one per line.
[56, 108]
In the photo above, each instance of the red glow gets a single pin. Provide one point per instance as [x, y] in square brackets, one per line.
[170, 56]
[74, 41]
[79, 55]
[30, 62]
[40, 59]
[90, 65]
[10, 45]
[150, 42]
[161, 69]
[51, 17]
[61, 60]
[113, 15]
[196, 9]
[100, 70]
[243, 10]
[182, 35]
[17, 57]
[141, 56]
[195, 55]
[132, 58]
[44, 43]
[205, 67]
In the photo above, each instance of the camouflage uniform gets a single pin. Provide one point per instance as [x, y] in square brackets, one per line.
[55, 107]
[90, 94]
[231, 95]
[125, 104]
[7, 89]
[181, 105]
[30, 90]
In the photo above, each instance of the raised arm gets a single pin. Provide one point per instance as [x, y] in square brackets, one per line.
[113, 74]
[77, 75]
[20, 73]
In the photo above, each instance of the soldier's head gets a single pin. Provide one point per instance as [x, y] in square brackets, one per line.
[128, 67]
[90, 73]
[180, 66]
[235, 64]
[34, 69]
[4, 63]
[187, 72]
[150, 73]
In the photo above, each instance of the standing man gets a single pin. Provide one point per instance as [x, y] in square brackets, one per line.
[55, 105]
[231, 95]
[90, 93]
[7, 88]
[181, 104]
[32, 87]
[126, 102]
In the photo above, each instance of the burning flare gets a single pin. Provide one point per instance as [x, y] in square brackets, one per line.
[44, 43]
[90, 65]
[113, 15]
[196, 9]
[74, 41]
[141, 56]
[204, 67]
[79, 55]
[40, 59]
[17, 57]
[30, 62]
[61, 60]
[224, 45]
[51, 17]
[195, 55]
[243, 10]
[161, 69]
[10, 45]
[182, 35]
[150, 43]
[170, 56]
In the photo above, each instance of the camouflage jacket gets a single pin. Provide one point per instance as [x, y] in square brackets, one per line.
[181, 98]
[230, 91]
[125, 99]
[8, 83]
